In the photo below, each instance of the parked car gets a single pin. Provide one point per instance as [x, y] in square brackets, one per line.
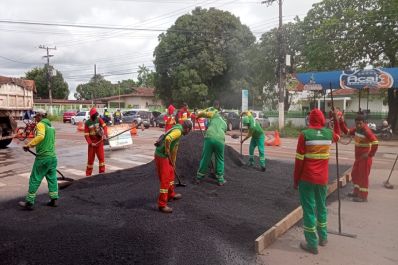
[146, 117]
[159, 121]
[80, 116]
[261, 118]
[68, 115]
[155, 114]
[131, 116]
[232, 119]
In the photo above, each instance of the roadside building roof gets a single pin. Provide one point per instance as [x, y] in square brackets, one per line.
[24, 83]
[139, 92]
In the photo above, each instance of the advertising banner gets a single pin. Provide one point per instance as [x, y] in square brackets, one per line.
[372, 78]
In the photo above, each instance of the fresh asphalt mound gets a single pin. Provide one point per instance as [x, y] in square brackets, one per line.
[113, 218]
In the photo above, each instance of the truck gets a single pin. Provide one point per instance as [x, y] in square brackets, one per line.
[16, 97]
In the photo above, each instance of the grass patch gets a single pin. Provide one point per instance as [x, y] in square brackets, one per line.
[289, 131]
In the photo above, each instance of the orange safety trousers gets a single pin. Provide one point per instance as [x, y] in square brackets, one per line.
[360, 176]
[166, 177]
[92, 151]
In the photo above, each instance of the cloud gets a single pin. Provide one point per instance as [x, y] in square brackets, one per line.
[113, 51]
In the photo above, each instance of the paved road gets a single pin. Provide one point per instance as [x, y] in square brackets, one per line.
[15, 165]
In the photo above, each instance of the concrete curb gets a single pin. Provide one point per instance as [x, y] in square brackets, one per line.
[272, 234]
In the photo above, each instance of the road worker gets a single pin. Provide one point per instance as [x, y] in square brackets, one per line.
[311, 177]
[45, 164]
[366, 145]
[169, 118]
[95, 131]
[165, 159]
[257, 138]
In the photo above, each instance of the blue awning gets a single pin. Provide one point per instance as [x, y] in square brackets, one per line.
[358, 79]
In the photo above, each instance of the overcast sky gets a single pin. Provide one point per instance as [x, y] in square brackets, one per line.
[117, 53]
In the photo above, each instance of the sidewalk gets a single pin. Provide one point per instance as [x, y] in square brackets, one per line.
[375, 223]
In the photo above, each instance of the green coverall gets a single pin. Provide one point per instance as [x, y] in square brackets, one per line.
[257, 139]
[214, 143]
[313, 201]
[45, 164]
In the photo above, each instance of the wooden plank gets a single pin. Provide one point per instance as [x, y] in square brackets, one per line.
[272, 234]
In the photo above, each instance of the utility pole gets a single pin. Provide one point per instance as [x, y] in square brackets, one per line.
[95, 85]
[281, 66]
[48, 74]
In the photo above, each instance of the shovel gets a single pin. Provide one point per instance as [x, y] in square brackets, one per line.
[63, 181]
[179, 184]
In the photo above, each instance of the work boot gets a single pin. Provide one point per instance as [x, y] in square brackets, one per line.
[359, 199]
[221, 183]
[26, 205]
[323, 242]
[166, 209]
[263, 169]
[196, 181]
[352, 194]
[52, 203]
[177, 196]
[304, 246]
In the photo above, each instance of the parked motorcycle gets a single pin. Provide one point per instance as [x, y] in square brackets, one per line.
[384, 132]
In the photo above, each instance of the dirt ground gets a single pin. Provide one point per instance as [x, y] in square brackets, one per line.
[113, 219]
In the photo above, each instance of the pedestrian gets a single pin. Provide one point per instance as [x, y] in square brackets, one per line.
[95, 131]
[183, 114]
[214, 143]
[45, 164]
[257, 138]
[366, 145]
[169, 118]
[165, 160]
[311, 178]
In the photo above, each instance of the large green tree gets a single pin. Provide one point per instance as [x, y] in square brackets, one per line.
[59, 88]
[203, 57]
[340, 34]
[97, 87]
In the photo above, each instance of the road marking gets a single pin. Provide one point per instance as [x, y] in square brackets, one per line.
[74, 171]
[25, 175]
[129, 161]
[143, 156]
[2, 184]
[113, 167]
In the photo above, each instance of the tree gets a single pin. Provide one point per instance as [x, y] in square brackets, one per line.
[97, 87]
[342, 34]
[201, 58]
[59, 88]
[146, 78]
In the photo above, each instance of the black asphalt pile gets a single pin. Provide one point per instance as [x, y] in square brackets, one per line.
[113, 218]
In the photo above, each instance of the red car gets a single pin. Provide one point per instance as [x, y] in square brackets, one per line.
[68, 115]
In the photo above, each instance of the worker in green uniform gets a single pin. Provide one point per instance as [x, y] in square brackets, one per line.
[45, 164]
[214, 143]
[257, 138]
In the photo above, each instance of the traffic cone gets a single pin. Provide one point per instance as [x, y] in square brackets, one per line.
[133, 131]
[270, 140]
[277, 141]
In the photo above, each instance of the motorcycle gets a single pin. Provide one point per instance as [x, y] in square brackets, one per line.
[384, 132]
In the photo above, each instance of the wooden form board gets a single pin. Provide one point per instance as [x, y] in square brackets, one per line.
[267, 238]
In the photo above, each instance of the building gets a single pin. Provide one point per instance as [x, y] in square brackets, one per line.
[141, 98]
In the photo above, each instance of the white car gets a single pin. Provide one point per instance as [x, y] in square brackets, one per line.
[80, 116]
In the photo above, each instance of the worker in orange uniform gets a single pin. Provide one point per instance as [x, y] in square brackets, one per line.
[95, 131]
[366, 145]
[165, 160]
[183, 114]
[169, 119]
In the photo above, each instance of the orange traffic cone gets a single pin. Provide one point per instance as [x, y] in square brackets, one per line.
[277, 141]
[270, 139]
[80, 126]
[133, 131]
